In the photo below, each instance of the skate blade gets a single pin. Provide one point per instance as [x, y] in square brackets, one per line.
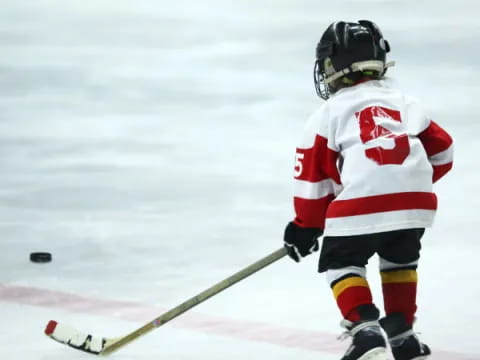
[423, 357]
[379, 353]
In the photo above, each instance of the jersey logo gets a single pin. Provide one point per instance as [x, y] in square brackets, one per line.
[392, 148]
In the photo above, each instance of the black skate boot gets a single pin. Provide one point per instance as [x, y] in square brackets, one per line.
[403, 341]
[368, 342]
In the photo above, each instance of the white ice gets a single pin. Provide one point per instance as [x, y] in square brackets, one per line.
[148, 145]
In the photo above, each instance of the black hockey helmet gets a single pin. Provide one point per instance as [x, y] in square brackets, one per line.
[347, 52]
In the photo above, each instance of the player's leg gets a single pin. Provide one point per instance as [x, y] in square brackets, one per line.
[344, 259]
[399, 253]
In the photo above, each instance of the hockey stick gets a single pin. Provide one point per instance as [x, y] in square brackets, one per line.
[104, 346]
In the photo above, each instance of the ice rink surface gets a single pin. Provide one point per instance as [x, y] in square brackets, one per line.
[148, 145]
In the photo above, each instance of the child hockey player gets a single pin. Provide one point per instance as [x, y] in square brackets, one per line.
[363, 178]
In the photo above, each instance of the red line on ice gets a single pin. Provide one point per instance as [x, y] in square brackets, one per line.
[239, 329]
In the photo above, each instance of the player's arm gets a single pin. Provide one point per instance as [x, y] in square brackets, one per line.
[316, 177]
[439, 147]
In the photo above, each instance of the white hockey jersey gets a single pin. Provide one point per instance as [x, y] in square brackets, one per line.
[367, 162]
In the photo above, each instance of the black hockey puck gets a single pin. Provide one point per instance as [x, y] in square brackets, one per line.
[40, 257]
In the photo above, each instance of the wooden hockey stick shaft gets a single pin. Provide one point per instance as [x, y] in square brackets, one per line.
[190, 303]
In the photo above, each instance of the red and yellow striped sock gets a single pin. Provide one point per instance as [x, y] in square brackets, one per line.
[400, 292]
[351, 291]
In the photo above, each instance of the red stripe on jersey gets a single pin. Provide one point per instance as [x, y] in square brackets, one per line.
[311, 213]
[435, 139]
[440, 170]
[318, 162]
[382, 203]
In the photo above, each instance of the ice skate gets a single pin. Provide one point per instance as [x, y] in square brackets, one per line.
[368, 342]
[403, 341]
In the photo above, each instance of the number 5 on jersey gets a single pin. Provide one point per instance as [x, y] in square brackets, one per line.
[298, 164]
[369, 131]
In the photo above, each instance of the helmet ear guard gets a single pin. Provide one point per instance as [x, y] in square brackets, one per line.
[324, 51]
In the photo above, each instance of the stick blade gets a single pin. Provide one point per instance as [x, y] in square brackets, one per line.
[78, 340]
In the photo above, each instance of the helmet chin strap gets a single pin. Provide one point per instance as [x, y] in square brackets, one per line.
[373, 65]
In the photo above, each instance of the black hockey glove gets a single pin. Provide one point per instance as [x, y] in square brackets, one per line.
[299, 241]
